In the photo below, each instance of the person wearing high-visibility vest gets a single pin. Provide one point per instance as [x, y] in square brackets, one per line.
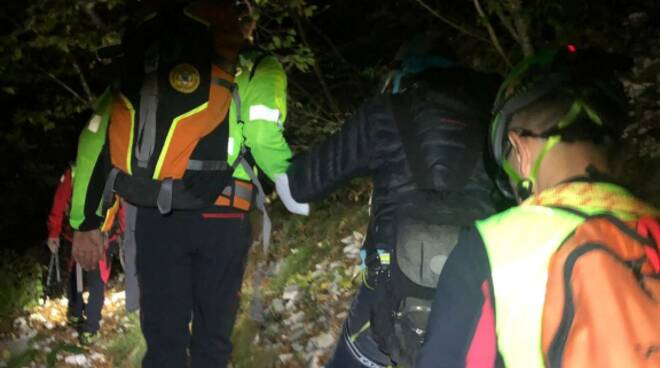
[556, 116]
[196, 109]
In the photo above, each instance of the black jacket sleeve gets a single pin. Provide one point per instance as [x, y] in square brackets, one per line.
[346, 154]
[463, 297]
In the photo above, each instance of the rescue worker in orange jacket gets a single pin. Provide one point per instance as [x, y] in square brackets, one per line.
[195, 112]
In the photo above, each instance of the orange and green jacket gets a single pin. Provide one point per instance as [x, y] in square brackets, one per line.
[262, 91]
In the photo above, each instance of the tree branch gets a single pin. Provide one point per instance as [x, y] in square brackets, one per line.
[335, 50]
[309, 95]
[491, 32]
[83, 81]
[317, 67]
[506, 22]
[89, 9]
[451, 23]
[63, 85]
[522, 27]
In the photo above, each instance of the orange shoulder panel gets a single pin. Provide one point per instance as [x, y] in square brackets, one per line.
[191, 129]
[120, 131]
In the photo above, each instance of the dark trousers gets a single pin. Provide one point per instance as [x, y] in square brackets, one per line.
[190, 266]
[356, 347]
[77, 306]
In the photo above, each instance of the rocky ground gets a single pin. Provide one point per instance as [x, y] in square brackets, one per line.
[302, 322]
[41, 337]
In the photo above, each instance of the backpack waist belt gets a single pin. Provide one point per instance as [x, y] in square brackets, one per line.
[170, 194]
[239, 194]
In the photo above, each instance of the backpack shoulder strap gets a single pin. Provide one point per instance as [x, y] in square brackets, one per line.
[400, 105]
[639, 234]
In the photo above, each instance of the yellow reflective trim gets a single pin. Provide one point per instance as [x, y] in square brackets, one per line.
[384, 258]
[364, 280]
[170, 133]
[110, 216]
[357, 334]
[130, 137]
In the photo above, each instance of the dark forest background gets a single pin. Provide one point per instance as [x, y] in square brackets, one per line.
[336, 53]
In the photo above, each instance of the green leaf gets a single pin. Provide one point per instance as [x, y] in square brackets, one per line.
[277, 42]
[73, 349]
[18, 54]
[23, 359]
[9, 90]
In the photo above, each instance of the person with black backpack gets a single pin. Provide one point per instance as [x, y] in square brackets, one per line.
[194, 111]
[571, 276]
[422, 146]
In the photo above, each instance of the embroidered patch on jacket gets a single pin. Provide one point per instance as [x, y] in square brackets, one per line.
[184, 78]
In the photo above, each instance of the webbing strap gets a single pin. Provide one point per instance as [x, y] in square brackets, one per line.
[517, 179]
[206, 165]
[224, 64]
[572, 114]
[224, 83]
[261, 203]
[243, 192]
[552, 141]
[261, 195]
[146, 137]
[164, 201]
[109, 189]
[649, 227]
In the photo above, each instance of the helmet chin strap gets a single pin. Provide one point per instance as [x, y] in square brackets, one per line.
[523, 188]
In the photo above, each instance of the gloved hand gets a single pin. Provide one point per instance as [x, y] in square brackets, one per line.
[284, 192]
[53, 244]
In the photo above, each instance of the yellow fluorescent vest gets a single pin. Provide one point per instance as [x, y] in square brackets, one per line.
[520, 243]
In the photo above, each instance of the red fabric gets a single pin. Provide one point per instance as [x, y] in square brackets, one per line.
[104, 268]
[483, 348]
[223, 215]
[60, 209]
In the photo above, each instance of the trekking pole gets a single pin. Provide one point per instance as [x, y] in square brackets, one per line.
[79, 278]
[54, 264]
[57, 267]
[51, 265]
